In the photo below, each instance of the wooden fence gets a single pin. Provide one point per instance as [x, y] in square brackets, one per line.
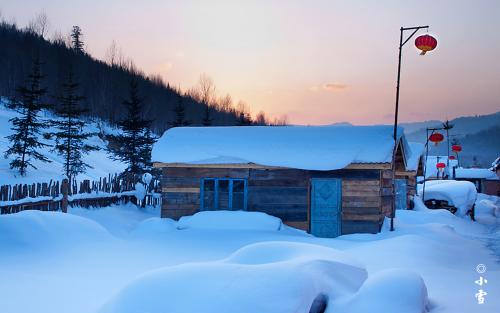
[57, 195]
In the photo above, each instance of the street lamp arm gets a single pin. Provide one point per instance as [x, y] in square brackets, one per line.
[409, 37]
[416, 27]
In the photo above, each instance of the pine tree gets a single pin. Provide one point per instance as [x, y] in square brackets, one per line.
[207, 117]
[180, 114]
[27, 127]
[76, 39]
[135, 142]
[70, 137]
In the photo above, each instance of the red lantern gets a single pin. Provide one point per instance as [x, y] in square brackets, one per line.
[425, 43]
[452, 157]
[436, 138]
[456, 148]
[440, 166]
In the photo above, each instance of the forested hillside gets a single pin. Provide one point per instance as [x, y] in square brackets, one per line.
[104, 85]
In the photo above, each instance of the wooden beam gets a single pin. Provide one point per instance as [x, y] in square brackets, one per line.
[362, 217]
[368, 166]
[406, 173]
[181, 189]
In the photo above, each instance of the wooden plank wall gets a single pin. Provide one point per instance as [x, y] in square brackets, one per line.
[285, 193]
[181, 188]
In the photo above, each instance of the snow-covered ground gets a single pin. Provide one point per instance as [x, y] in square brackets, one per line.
[99, 160]
[123, 259]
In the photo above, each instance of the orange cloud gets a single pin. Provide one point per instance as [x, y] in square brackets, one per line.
[334, 87]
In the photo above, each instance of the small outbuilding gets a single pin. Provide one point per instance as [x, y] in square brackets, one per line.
[485, 180]
[327, 180]
[406, 181]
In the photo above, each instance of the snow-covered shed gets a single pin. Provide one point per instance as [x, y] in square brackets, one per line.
[413, 167]
[328, 180]
[485, 180]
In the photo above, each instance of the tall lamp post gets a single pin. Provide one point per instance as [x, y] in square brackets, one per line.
[424, 49]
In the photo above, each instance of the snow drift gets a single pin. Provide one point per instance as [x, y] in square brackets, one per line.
[389, 291]
[248, 281]
[32, 229]
[230, 220]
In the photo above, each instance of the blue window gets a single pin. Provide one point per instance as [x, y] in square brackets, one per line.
[223, 194]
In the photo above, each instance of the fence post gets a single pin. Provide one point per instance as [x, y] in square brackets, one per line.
[64, 191]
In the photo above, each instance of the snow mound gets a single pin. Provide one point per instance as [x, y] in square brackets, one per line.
[119, 220]
[486, 207]
[487, 212]
[38, 229]
[154, 226]
[460, 194]
[245, 287]
[275, 251]
[389, 291]
[230, 220]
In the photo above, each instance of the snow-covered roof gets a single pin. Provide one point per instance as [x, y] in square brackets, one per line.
[414, 155]
[302, 147]
[477, 173]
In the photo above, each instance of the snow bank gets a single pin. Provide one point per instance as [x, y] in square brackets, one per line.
[32, 229]
[486, 210]
[305, 147]
[460, 194]
[389, 291]
[154, 226]
[425, 217]
[242, 284]
[478, 173]
[273, 252]
[230, 220]
[119, 220]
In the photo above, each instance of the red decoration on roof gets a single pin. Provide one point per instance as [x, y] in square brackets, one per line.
[425, 43]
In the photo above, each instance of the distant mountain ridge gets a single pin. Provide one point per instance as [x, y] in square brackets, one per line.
[478, 135]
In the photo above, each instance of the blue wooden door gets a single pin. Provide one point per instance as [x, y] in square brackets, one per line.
[400, 186]
[326, 207]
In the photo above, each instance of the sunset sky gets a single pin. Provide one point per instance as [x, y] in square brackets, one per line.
[318, 62]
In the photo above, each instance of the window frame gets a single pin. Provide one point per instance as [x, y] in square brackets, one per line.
[216, 193]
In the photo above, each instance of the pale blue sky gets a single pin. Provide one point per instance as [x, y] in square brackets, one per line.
[281, 56]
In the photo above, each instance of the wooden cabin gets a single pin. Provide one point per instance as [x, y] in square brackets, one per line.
[327, 180]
